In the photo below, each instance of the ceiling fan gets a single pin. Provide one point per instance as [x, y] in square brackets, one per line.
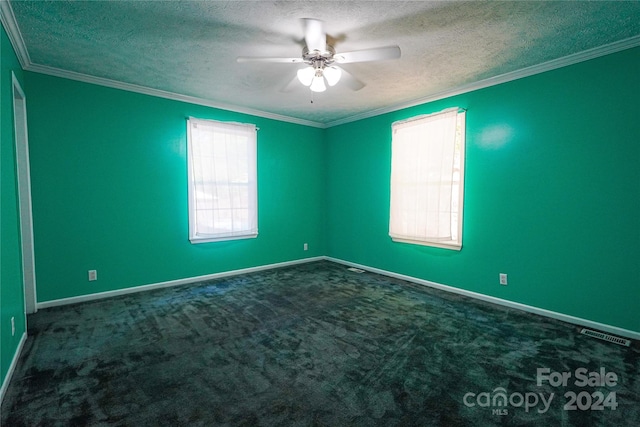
[322, 60]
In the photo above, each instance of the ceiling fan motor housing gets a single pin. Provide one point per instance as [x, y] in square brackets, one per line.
[317, 58]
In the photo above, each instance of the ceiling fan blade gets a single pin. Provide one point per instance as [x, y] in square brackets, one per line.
[375, 54]
[268, 59]
[314, 35]
[348, 79]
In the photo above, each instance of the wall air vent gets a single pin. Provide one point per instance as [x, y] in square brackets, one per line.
[606, 337]
[355, 270]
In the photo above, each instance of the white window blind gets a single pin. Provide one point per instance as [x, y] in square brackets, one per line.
[222, 167]
[427, 174]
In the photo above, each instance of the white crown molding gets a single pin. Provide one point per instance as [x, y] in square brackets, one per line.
[10, 24]
[72, 75]
[503, 78]
[8, 20]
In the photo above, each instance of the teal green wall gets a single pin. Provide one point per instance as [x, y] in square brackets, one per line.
[11, 299]
[109, 190]
[552, 194]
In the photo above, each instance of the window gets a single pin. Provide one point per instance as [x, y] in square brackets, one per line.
[427, 179]
[222, 169]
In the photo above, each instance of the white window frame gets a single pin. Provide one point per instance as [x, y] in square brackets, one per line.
[205, 224]
[401, 227]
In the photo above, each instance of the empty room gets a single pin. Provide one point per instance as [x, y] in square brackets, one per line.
[308, 213]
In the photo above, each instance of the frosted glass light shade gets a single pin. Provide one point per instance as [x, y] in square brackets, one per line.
[305, 75]
[317, 85]
[332, 74]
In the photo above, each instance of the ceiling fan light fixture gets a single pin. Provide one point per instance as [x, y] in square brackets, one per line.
[320, 56]
[332, 74]
[306, 75]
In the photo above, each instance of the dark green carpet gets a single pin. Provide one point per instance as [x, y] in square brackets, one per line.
[313, 344]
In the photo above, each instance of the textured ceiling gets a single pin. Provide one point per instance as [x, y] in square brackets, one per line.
[190, 47]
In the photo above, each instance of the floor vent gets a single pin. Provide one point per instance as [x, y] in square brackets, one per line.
[606, 337]
[355, 270]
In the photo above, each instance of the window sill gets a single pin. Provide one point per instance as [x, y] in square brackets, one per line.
[454, 246]
[198, 240]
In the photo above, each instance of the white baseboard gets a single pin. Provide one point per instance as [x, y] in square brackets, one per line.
[142, 288]
[506, 303]
[12, 366]
[528, 308]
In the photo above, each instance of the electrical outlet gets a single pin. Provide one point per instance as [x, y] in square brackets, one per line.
[306, 246]
[93, 275]
[503, 279]
[13, 326]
